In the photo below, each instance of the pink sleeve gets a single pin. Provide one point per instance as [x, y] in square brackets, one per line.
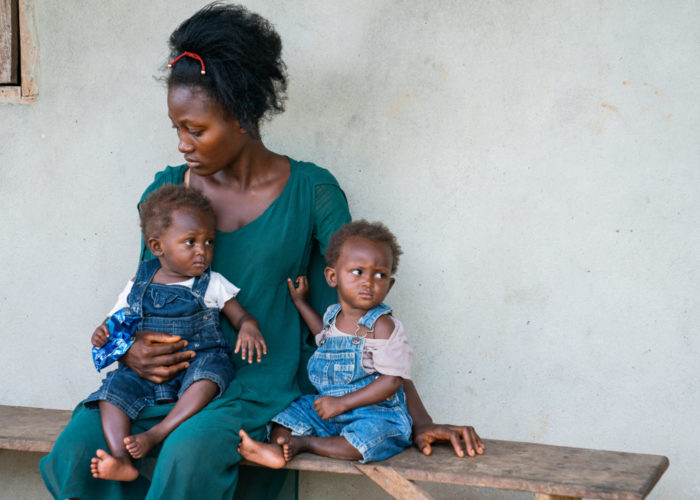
[396, 356]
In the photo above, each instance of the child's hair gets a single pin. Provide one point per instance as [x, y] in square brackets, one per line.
[156, 211]
[373, 231]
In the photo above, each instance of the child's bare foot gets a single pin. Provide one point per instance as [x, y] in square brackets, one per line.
[292, 445]
[105, 466]
[139, 445]
[267, 454]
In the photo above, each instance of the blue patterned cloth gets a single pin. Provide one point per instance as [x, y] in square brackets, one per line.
[122, 327]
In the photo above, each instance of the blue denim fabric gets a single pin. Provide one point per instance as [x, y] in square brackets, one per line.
[368, 320]
[377, 431]
[178, 310]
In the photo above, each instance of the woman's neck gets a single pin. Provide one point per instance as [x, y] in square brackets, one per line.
[255, 166]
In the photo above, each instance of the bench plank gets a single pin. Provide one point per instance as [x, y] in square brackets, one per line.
[550, 471]
[508, 465]
[30, 429]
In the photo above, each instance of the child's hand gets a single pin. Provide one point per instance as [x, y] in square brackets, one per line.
[250, 339]
[100, 335]
[328, 407]
[301, 291]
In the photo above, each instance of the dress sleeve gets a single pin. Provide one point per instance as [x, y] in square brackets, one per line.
[330, 212]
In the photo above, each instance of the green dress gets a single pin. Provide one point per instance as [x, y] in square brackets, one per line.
[199, 459]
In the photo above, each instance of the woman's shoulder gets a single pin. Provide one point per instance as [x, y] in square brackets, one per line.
[169, 175]
[312, 172]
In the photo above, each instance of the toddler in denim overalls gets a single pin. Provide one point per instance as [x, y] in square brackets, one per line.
[358, 369]
[175, 293]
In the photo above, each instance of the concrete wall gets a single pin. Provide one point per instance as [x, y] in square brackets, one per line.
[538, 161]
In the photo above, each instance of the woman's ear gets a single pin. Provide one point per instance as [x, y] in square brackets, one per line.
[331, 277]
[155, 246]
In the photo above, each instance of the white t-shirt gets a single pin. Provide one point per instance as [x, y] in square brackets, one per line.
[219, 291]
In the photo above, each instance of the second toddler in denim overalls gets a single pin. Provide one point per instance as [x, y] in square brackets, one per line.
[358, 369]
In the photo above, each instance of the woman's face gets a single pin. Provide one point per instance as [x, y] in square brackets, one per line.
[209, 139]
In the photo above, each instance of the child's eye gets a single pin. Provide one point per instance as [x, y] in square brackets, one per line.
[189, 241]
[356, 272]
[209, 243]
[380, 275]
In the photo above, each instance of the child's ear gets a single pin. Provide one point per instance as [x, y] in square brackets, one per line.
[331, 277]
[391, 283]
[155, 246]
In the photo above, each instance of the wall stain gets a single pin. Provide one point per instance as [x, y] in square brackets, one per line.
[610, 107]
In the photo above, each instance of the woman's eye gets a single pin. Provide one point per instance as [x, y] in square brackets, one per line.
[356, 272]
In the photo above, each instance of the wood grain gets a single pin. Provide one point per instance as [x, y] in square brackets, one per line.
[556, 471]
[9, 42]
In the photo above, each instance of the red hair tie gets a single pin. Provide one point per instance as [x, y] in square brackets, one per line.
[193, 56]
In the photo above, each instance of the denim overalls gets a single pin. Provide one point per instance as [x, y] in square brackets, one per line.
[178, 310]
[377, 431]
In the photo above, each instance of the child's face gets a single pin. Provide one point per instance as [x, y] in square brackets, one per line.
[186, 248]
[362, 274]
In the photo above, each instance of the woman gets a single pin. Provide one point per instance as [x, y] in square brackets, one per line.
[274, 217]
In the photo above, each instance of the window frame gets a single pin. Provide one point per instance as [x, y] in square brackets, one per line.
[27, 90]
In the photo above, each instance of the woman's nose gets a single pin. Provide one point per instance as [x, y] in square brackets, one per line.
[183, 146]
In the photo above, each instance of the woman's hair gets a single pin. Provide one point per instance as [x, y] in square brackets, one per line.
[156, 211]
[373, 231]
[242, 54]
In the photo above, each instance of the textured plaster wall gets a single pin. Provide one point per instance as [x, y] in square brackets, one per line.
[537, 160]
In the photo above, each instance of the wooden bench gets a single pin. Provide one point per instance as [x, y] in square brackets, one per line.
[550, 472]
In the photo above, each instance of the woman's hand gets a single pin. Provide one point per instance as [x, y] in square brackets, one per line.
[299, 292]
[461, 436]
[155, 357]
[250, 339]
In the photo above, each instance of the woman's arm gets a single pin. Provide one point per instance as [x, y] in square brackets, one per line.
[375, 392]
[425, 432]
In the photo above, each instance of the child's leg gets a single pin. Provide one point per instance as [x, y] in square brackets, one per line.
[334, 447]
[283, 447]
[117, 466]
[192, 400]
[267, 454]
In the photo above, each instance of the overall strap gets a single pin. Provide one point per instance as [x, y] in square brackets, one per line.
[200, 285]
[144, 275]
[369, 319]
[330, 315]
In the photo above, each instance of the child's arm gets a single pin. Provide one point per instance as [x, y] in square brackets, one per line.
[373, 393]
[249, 337]
[100, 335]
[299, 295]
